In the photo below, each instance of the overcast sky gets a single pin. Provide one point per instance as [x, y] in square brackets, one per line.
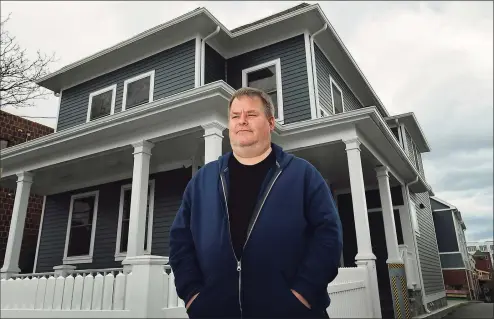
[431, 58]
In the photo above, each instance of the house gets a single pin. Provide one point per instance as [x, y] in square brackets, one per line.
[483, 246]
[458, 271]
[15, 130]
[138, 119]
[483, 265]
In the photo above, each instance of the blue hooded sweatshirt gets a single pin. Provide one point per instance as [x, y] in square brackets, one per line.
[294, 242]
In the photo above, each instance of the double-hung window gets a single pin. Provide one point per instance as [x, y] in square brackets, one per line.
[101, 103]
[267, 77]
[124, 219]
[138, 90]
[81, 228]
[336, 97]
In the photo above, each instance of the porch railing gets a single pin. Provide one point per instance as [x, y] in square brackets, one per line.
[410, 269]
[143, 292]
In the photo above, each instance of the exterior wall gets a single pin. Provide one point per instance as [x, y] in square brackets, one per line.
[483, 261]
[214, 67]
[427, 245]
[455, 279]
[325, 70]
[291, 52]
[444, 225]
[174, 73]
[17, 130]
[169, 187]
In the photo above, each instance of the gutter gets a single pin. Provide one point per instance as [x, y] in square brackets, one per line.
[422, 290]
[203, 51]
[313, 65]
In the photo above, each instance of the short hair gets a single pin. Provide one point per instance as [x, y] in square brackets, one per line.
[253, 92]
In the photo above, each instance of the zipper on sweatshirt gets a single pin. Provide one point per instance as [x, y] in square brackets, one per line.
[257, 212]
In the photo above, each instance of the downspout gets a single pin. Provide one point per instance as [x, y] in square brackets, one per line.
[417, 251]
[203, 51]
[313, 65]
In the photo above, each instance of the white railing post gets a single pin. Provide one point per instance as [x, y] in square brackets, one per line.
[63, 270]
[213, 139]
[145, 288]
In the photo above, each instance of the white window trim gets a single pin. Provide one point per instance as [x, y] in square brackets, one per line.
[321, 109]
[119, 256]
[136, 78]
[86, 258]
[112, 88]
[279, 90]
[331, 82]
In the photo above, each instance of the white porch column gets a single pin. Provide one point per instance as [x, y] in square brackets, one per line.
[213, 139]
[138, 200]
[388, 216]
[16, 230]
[365, 257]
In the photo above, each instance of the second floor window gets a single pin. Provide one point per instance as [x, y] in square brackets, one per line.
[337, 98]
[138, 90]
[267, 77]
[101, 103]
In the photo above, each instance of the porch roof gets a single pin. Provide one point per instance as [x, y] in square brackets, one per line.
[229, 43]
[186, 113]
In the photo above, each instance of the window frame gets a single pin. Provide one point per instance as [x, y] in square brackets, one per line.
[331, 82]
[112, 88]
[141, 76]
[279, 90]
[83, 258]
[414, 217]
[119, 256]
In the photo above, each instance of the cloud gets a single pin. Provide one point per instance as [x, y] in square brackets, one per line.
[431, 58]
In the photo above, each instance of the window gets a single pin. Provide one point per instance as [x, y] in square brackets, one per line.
[492, 247]
[81, 227]
[138, 90]
[413, 214]
[267, 77]
[124, 218]
[483, 247]
[101, 103]
[336, 97]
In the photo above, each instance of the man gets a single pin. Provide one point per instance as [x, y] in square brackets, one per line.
[257, 234]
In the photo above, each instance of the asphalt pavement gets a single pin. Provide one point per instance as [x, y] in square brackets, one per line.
[473, 310]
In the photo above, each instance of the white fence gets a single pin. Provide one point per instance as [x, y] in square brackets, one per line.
[112, 293]
[349, 294]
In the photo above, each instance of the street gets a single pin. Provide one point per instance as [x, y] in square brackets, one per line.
[473, 310]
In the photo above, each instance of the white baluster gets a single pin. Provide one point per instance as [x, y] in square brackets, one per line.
[58, 294]
[40, 293]
[118, 302]
[108, 291]
[166, 283]
[87, 292]
[50, 292]
[97, 292]
[78, 291]
[67, 293]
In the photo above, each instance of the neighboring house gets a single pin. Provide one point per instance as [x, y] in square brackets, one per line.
[483, 246]
[15, 130]
[483, 265]
[458, 271]
[137, 120]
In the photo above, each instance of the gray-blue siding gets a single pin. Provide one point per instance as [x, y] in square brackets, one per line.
[291, 52]
[445, 231]
[427, 245]
[325, 70]
[174, 73]
[214, 66]
[169, 187]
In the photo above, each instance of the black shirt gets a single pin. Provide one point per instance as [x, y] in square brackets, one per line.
[245, 185]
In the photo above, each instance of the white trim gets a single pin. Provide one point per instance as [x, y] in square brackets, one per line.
[119, 256]
[112, 88]
[331, 83]
[58, 110]
[149, 74]
[39, 234]
[454, 268]
[435, 296]
[407, 199]
[87, 258]
[443, 209]
[450, 253]
[415, 220]
[310, 76]
[197, 62]
[203, 52]
[279, 90]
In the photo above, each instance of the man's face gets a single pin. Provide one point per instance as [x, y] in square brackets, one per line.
[248, 124]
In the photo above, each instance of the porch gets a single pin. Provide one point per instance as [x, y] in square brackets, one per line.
[355, 151]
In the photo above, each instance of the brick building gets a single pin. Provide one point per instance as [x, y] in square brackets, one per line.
[15, 130]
